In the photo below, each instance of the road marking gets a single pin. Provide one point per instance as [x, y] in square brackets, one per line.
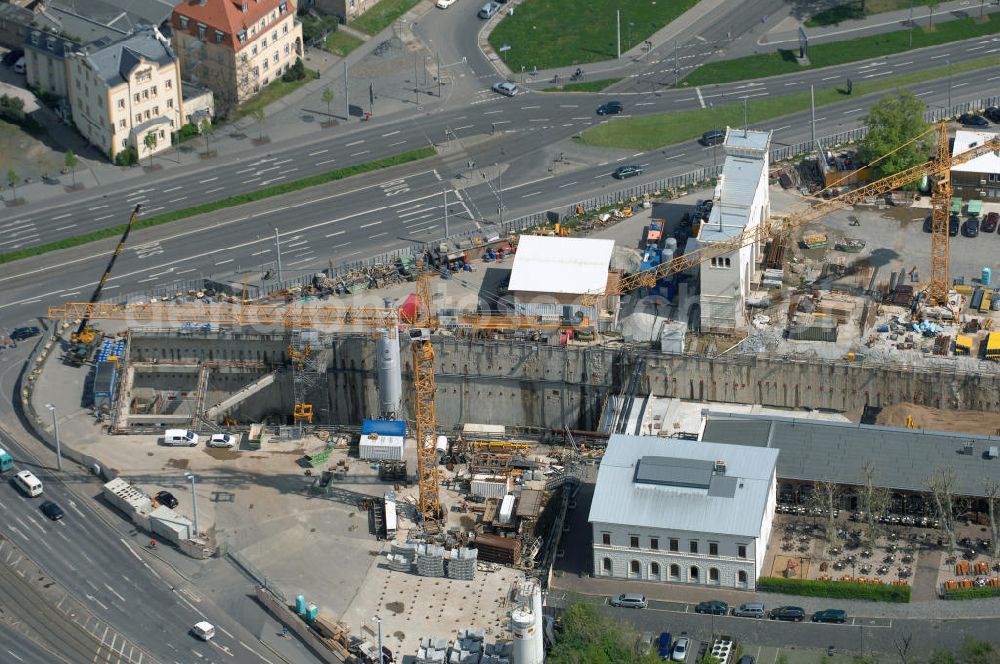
[853, 110]
[62, 216]
[943, 55]
[207, 180]
[257, 253]
[296, 244]
[410, 214]
[21, 660]
[993, 78]
[97, 601]
[228, 260]
[534, 193]
[62, 228]
[355, 143]
[462, 127]
[374, 223]
[878, 73]
[646, 103]
[304, 260]
[285, 172]
[391, 133]
[416, 219]
[358, 154]
[335, 234]
[245, 170]
[569, 106]
[791, 83]
[187, 270]
[372, 237]
[975, 48]
[313, 154]
[830, 78]
[538, 120]
[780, 128]
[701, 100]
[283, 161]
[114, 592]
[493, 112]
[525, 108]
[328, 161]
[174, 200]
[638, 154]
[568, 184]
[958, 85]
[759, 94]
[395, 144]
[338, 246]
[676, 156]
[256, 178]
[256, 653]
[104, 217]
[212, 191]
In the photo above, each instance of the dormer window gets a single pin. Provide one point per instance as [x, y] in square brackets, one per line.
[244, 8]
[283, 7]
[202, 28]
[184, 22]
[219, 36]
[242, 36]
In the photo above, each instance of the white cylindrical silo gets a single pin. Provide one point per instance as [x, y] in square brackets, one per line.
[536, 608]
[390, 377]
[524, 629]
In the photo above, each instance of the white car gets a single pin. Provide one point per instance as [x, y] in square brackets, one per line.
[680, 650]
[505, 88]
[221, 440]
[444, 4]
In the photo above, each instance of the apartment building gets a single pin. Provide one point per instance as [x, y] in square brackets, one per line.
[236, 47]
[124, 90]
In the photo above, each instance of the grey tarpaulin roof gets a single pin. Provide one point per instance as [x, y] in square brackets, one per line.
[731, 504]
[814, 450]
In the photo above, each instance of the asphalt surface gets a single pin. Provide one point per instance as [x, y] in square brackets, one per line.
[19, 649]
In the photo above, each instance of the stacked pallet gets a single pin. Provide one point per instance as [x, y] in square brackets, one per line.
[430, 560]
[462, 564]
[432, 651]
[401, 556]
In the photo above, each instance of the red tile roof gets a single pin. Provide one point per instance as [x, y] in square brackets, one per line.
[227, 16]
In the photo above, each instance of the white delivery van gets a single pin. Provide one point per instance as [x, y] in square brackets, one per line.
[181, 437]
[28, 483]
[204, 630]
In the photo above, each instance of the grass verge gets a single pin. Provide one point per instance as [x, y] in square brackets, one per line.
[341, 43]
[556, 33]
[783, 61]
[381, 16]
[230, 201]
[587, 86]
[858, 9]
[272, 93]
[981, 592]
[838, 589]
[654, 131]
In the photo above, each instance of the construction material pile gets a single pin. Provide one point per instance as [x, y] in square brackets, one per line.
[462, 564]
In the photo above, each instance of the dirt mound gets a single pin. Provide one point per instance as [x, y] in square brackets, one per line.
[935, 419]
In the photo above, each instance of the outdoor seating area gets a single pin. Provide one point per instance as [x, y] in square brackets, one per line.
[970, 566]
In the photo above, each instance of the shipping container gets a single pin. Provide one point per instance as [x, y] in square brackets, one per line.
[490, 486]
[104, 384]
[496, 549]
[992, 347]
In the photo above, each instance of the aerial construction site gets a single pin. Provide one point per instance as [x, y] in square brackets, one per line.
[448, 408]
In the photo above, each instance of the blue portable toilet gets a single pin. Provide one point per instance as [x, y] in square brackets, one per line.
[300, 604]
[987, 276]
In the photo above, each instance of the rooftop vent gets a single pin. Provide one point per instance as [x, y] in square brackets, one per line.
[719, 468]
[968, 448]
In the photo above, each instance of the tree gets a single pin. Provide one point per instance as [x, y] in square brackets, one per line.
[992, 493]
[259, 116]
[71, 162]
[903, 647]
[974, 651]
[328, 98]
[206, 129]
[150, 142]
[931, 6]
[12, 179]
[892, 121]
[589, 637]
[826, 497]
[874, 502]
[942, 486]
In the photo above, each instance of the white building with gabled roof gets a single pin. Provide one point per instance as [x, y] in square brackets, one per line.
[681, 511]
[741, 203]
[977, 178]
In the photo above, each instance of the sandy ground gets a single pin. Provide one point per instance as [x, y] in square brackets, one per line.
[925, 417]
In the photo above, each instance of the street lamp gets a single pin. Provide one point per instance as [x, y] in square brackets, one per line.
[378, 621]
[55, 428]
[194, 502]
[948, 62]
[631, 24]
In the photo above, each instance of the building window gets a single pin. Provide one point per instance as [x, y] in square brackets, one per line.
[124, 142]
[145, 94]
[168, 84]
[693, 546]
[147, 114]
[275, 58]
[136, 97]
[263, 43]
[741, 578]
[693, 574]
[170, 103]
[243, 58]
[156, 110]
[713, 548]
[675, 572]
[138, 118]
[154, 91]
[654, 571]
[219, 36]
[633, 568]
[161, 135]
[283, 7]
[253, 50]
[741, 550]
[287, 49]
[121, 123]
[263, 66]
[606, 539]
[241, 36]
[674, 544]
[121, 103]
[654, 543]
[606, 566]
[285, 29]
[201, 31]
[713, 574]
[184, 22]
[633, 541]
[274, 35]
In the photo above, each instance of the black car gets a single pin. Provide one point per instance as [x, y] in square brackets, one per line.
[712, 606]
[22, 333]
[713, 137]
[51, 510]
[623, 172]
[990, 222]
[610, 108]
[971, 228]
[166, 498]
[953, 225]
[992, 114]
[13, 56]
[973, 120]
[794, 613]
[830, 616]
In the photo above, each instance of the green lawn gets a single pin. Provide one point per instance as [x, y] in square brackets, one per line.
[556, 33]
[341, 43]
[381, 16]
[836, 53]
[853, 10]
[587, 86]
[655, 131]
[272, 93]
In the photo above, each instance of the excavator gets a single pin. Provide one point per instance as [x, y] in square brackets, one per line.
[82, 340]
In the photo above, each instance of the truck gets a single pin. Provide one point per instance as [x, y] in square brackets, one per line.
[6, 461]
[654, 233]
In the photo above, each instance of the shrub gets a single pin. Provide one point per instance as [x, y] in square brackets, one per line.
[296, 72]
[187, 132]
[314, 28]
[12, 109]
[127, 157]
[50, 99]
[840, 589]
[981, 592]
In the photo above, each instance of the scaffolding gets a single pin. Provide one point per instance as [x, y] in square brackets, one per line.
[309, 353]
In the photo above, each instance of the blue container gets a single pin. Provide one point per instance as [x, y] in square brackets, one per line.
[300, 604]
[987, 276]
[311, 613]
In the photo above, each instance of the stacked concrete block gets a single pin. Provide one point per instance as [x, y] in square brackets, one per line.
[402, 555]
[432, 651]
[462, 564]
[496, 653]
[430, 560]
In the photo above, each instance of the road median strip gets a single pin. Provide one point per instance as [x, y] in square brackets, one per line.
[656, 131]
[229, 201]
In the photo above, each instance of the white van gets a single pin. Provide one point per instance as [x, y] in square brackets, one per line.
[28, 483]
[204, 630]
[19, 66]
[180, 437]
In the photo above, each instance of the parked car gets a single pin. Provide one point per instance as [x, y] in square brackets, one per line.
[830, 616]
[990, 222]
[19, 66]
[680, 650]
[972, 120]
[971, 227]
[712, 606]
[954, 223]
[713, 137]
[794, 613]
[51, 510]
[444, 4]
[629, 601]
[505, 88]
[610, 108]
[488, 10]
[751, 610]
[221, 440]
[665, 645]
[12, 56]
[166, 499]
[746, 659]
[22, 333]
[623, 172]
[992, 114]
